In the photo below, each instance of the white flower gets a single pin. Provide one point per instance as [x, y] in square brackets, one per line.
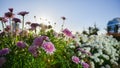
[105, 56]
[101, 61]
[107, 66]
[113, 62]
[79, 53]
[72, 46]
[92, 64]
[102, 67]
[96, 60]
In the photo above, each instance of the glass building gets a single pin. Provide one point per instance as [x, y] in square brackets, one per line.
[113, 26]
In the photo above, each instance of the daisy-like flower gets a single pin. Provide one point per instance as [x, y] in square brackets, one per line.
[4, 51]
[23, 13]
[16, 20]
[67, 32]
[75, 59]
[48, 47]
[21, 44]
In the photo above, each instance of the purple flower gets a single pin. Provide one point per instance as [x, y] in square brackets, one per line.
[11, 9]
[39, 40]
[3, 19]
[2, 61]
[9, 15]
[63, 18]
[21, 44]
[34, 25]
[67, 32]
[23, 13]
[28, 23]
[85, 65]
[4, 51]
[16, 20]
[8, 27]
[34, 50]
[84, 51]
[75, 59]
[48, 47]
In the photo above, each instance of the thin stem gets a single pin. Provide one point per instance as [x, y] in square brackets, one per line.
[10, 25]
[2, 26]
[23, 23]
[62, 25]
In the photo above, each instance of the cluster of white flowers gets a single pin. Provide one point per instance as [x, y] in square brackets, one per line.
[102, 47]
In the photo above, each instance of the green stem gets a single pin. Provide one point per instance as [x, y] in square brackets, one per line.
[23, 23]
[2, 26]
[62, 25]
[10, 26]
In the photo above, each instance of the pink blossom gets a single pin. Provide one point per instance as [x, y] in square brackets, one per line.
[3, 19]
[67, 32]
[28, 23]
[23, 13]
[75, 59]
[21, 44]
[85, 65]
[63, 18]
[33, 50]
[11, 9]
[39, 40]
[8, 27]
[9, 15]
[16, 20]
[4, 51]
[48, 47]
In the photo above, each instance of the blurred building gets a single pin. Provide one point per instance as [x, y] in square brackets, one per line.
[113, 26]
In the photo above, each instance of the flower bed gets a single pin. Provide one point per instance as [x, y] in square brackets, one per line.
[45, 48]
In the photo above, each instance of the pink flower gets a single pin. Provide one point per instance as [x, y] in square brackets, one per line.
[28, 23]
[16, 20]
[2, 61]
[3, 19]
[75, 59]
[85, 65]
[11, 9]
[39, 40]
[34, 25]
[9, 15]
[8, 27]
[23, 13]
[34, 50]
[4, 51]
[67, 32]
[48, 47]
[21, 44]
[63, 18]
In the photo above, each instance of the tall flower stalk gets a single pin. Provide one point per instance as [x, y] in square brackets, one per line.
[63, 18]
[3, 20]
[23, 13]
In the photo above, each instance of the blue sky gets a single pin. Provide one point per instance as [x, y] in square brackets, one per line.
[79, 13]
